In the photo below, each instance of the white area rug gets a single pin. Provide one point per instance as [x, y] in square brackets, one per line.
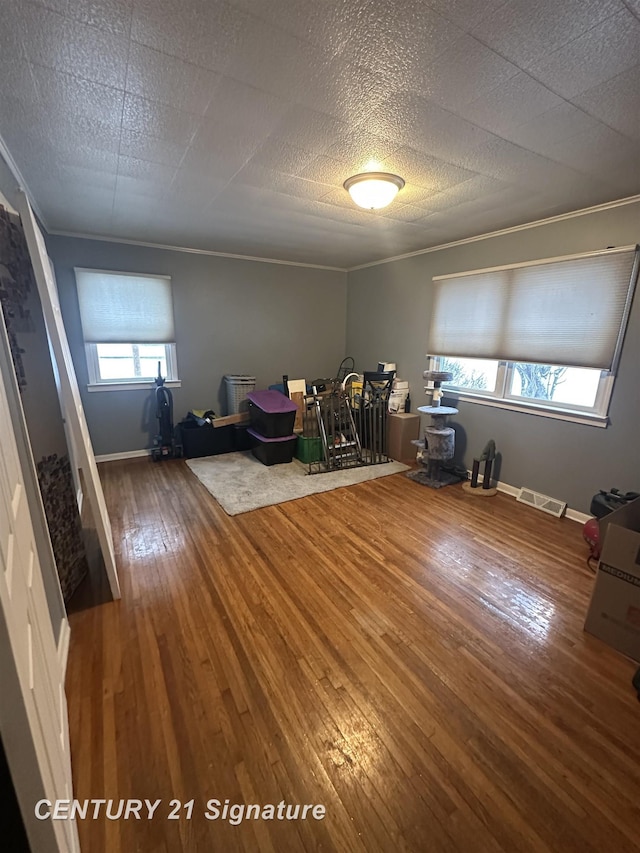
[240, 483]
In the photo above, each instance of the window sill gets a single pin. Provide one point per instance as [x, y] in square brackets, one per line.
[530, 408]
[131, 386]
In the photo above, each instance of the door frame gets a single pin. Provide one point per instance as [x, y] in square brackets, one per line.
[80, 448]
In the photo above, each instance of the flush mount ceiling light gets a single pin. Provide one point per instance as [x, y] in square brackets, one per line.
[373, 190]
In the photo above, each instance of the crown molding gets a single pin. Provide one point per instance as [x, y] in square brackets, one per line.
[561, 217]
[22, 184]
[168, 248]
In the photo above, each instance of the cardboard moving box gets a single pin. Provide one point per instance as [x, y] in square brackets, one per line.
[402, 429]
[614, 610]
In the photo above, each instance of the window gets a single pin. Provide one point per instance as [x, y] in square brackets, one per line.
[127, 324]
[544, 336]
[558, 388]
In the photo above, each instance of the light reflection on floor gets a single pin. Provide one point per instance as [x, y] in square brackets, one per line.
[505, 596]
[142, 543]
[526, 609]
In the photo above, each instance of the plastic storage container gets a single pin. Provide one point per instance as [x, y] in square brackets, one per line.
[309, 449]
[238, 386]
[205, 440]
[273, 451]
[271, 413]
[241, 438]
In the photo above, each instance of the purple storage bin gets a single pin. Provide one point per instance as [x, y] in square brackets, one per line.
[272, 414]
[273, 451]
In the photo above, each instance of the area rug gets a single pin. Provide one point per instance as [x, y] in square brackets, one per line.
[240, 483]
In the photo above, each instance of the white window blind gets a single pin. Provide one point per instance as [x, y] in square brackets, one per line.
[124, 307]
[570, 311]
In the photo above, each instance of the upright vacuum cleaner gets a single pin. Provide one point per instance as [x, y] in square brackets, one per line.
[165, 445]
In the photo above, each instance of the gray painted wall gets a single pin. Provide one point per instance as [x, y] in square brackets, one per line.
[231, 316]
[388, 318]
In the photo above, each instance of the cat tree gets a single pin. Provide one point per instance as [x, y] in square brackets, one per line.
[439, 439]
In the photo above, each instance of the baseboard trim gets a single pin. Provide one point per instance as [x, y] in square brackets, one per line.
[575, 515]
[505, 488]
[128, 454]
[512, 491]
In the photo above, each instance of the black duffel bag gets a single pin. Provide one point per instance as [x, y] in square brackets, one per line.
[605, 502]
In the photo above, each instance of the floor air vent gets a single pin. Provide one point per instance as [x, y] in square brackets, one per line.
[543, 502]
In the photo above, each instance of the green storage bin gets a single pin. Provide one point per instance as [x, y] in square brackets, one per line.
[309, 449]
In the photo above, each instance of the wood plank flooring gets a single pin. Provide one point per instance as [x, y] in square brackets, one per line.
[412, 659]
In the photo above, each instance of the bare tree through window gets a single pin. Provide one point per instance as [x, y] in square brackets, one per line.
[463, 377]
[539, 381]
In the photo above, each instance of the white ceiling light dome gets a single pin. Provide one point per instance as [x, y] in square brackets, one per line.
[373, 190]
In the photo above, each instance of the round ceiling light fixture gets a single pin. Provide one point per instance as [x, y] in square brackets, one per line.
[373, 190]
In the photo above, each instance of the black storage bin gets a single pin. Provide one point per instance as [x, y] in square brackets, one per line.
[241, 437]
[272, 414]
[205, 440]
[273, 451]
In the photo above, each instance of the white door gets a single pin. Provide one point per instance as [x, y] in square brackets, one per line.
[33, 706]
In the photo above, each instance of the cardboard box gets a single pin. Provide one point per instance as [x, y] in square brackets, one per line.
[614, 610]
[398, 395]
[241, 418]
[402, 429]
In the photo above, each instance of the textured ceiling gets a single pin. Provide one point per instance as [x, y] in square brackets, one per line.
[231, 126]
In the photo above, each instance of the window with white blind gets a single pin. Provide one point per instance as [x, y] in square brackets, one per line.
[127, 325]
[544, 336]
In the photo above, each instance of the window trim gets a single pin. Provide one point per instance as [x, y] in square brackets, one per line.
[135, 384]
[597, 415]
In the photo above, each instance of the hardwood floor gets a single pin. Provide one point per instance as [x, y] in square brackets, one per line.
[412, 659]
